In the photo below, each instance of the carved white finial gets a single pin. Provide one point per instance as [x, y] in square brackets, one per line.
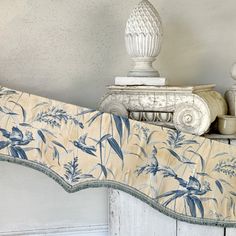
[143, 38]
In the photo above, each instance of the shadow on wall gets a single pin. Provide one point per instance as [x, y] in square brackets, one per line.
[181, 56]
[198, 43]
[106, 48]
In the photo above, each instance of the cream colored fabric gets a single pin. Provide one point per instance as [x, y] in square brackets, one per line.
[188, 176]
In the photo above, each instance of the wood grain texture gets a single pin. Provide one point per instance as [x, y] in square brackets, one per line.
[132, 217]
[230, 232]
[186, 229]
[232, 142]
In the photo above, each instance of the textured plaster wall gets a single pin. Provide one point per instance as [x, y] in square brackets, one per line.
[70, 50]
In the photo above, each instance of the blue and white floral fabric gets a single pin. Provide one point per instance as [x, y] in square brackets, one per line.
[187, 177]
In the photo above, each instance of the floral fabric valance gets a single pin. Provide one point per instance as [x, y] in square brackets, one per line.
[181, 175]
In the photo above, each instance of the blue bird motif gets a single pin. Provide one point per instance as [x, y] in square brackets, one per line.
[190, 192]
[16, 139]
[16, 136]
[81, 144]
[153, 166]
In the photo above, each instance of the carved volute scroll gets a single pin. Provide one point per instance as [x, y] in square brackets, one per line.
[114, 107]
[191, 119]
[189, 109]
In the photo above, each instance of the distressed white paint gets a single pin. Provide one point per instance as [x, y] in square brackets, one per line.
[132, 217]
[92, 230]
[230, 232]
[154, 81]
[186, 229]
[194, 108]
[233, 142]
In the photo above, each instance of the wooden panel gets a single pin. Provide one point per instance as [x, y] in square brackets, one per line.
[91, 230]
[132, 217]
[233, 142]
[226, 141]
[186, 229]
[230, 232]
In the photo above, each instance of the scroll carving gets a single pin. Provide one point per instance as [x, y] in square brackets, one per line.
[191, 110]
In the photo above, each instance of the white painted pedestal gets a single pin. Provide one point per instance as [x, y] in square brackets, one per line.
[189, 109]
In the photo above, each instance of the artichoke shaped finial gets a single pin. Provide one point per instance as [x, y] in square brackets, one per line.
[143, 39]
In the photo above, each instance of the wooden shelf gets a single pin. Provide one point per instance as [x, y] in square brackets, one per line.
[220, 136]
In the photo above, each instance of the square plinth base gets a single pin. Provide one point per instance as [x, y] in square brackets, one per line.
[151, 81]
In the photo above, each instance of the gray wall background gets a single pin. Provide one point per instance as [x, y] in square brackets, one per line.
[70, 50]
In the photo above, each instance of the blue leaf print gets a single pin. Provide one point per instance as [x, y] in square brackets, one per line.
[93, 118]
[180, 158]
[177, 194]
[21, 153]
[4, 144]
[103, 168]
[198, 203]
[142, 150]
[22, 109]
[191, 205]
[119, 126]
[60, 145]
[40, 104]
[115, 146]
[103, 138]
[113, 143]
[127, 124]
[13, 152]
[176, 139]
[73, 173]
[49, 132]
[86, 112]
[5, 133]
[41, 135]
[7, 111]
[219, 185]
[150, 136]
[56, 155]
[201, 159]
[25, 125]
[167, 194]
[18, 152]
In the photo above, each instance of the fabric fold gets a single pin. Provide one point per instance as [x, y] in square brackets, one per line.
[187, 177]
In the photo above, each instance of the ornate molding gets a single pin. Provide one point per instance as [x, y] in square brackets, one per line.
[189, 109]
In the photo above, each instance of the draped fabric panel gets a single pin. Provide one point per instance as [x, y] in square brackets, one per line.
[187, 177]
